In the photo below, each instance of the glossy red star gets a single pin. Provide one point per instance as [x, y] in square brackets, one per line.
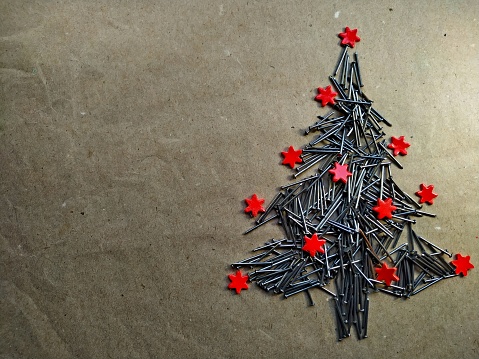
[387, 274]
[313, 244]
[398, 145]
[385, 208]
[349, 37]
[426, 193]
[238, 281]
[292, 156]
[462, 264]
[254, 205]
[340, 172]
[326, 95]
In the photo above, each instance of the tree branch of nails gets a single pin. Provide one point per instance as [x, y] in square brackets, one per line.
[348, 228]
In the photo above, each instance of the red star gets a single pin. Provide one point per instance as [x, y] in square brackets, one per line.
[340, 172]
[384, 208]
[398, 145]
[326, 95]
[254, 205]
[426, 193]
[349, 37]
[291, 157]
[387, 274]
[462, 264]
[314, 245]
[238, 281]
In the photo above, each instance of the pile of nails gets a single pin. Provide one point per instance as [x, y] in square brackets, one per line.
[341, 213]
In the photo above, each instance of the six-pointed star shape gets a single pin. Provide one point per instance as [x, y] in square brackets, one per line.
[384, 208]
[426, 193]
[254, 205]
[349, 37]
[238, 281]
[398, 145]
[292, 156]
[314, 244]
[462, 264]
[340, 172]
[387, 274]
[326, 95]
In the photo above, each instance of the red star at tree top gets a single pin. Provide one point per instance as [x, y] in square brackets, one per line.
[384, 208]
[326, 95]
[426, 193]
[398, 145]
[387, 274]
[314, 244]
[254, 205]
[291, 157]
[238, 281]
[349, 37]
[462, 264]
[340, 172]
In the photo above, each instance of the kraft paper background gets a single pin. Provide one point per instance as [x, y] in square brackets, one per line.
[132, 131]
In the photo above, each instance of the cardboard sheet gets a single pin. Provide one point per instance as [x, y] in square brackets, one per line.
[131, 132]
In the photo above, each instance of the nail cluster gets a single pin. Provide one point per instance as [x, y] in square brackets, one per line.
[348, 227]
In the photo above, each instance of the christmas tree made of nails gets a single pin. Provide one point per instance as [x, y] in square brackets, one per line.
[344, 225]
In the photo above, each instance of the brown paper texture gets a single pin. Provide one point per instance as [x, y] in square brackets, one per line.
[131, 132]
